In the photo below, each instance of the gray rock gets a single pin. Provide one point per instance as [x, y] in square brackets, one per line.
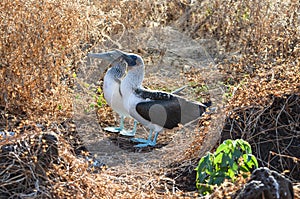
[266, 184]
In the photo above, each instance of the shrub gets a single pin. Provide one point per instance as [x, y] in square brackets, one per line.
[39, 44]
[232, 158]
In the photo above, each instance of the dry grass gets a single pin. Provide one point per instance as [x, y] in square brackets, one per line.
[43, 42]
[36, 45]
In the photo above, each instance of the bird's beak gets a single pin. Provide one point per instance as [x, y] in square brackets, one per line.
[108, 56]
[113, 55]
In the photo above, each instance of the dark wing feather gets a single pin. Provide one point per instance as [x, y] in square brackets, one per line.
[165, 113]
[153, 95]
[167, 110]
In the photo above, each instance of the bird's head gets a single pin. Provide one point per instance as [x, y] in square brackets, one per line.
[133, 60]
[115, 59]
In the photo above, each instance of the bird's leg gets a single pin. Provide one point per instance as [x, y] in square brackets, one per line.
[155, 137]
[150, 135]
[144, 142]
[134, 126]
[116, 129]
[122, 122]
[130, 133]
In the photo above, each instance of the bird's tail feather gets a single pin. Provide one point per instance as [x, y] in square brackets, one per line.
[205, 107]
[207, 104]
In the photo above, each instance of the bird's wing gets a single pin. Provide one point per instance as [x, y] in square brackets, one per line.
[167, 110]
[152, 95]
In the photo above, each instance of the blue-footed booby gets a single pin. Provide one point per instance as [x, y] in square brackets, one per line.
[154, 109]
[111, 88]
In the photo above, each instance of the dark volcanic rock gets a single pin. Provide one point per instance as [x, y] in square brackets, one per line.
[266, 184]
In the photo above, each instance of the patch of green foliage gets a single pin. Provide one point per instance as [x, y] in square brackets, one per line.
[100, 99]
[231, 159]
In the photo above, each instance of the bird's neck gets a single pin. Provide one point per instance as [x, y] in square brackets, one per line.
[116, 72]
[132, 80]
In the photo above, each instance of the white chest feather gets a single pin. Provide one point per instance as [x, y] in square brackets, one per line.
[111, 90]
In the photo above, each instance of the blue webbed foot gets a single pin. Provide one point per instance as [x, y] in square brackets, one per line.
[139, 140]
[145, 145]
[143, 142]
[113, 129]
[127, 133]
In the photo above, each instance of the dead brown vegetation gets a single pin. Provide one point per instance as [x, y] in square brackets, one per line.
[39, 44]
[43, 42]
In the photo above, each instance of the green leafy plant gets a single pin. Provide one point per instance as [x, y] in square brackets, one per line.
[232, 158]
[100, 98]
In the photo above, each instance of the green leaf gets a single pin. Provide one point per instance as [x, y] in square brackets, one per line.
[231, 173]
[222, 148]
[229, 143]
[239, 144]
[204, 162]
[219, 179]
[254, 160]
[236, 154]
[250, 161]
[218, 158]
[201, 176]
[244, 168]
[245, 146]
[204, 177]
[235, 167]
[204, 168]
[225, 161]
[231, 162]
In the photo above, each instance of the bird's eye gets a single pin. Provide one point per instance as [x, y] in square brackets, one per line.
[133, 57]
[130, 59]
